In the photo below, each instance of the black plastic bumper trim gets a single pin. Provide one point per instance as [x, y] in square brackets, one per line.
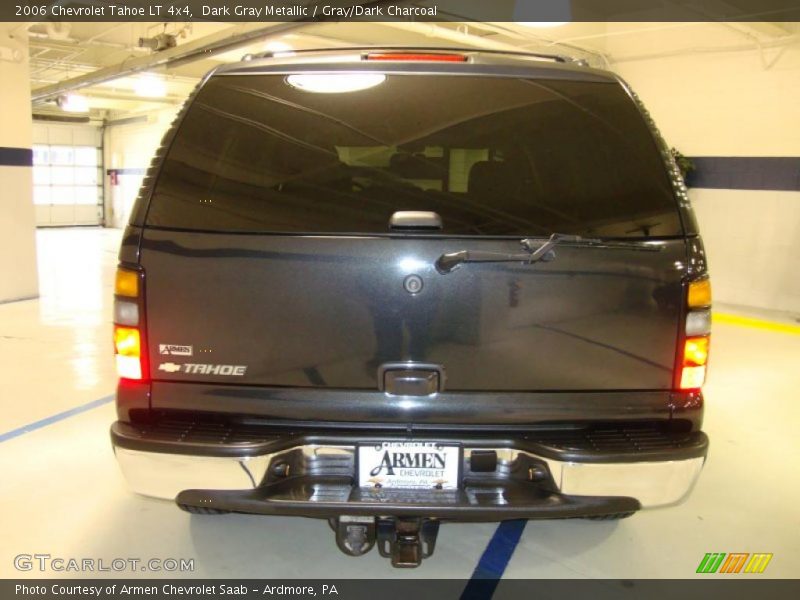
[524, 501]
[669, 446]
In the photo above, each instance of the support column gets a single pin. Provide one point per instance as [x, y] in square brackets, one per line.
[18, 277]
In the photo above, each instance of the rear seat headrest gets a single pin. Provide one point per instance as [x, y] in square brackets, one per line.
[415, 166]
[491, 177]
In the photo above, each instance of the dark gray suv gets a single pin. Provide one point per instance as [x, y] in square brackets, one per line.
[391, 287]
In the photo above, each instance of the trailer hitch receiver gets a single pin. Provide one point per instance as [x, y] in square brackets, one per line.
[405, 541]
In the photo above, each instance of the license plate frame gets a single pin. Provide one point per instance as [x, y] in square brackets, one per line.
[418, 467]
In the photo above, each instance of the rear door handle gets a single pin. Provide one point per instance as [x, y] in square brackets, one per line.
[411, 379]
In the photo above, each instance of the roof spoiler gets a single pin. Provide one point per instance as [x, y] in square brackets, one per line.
[415, 49]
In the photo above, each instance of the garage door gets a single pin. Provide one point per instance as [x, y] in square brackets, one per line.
[67, 175]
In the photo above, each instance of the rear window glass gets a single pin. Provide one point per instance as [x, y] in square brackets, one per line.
[491, 156]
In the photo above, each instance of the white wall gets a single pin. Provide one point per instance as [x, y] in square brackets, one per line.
[720, 103]
[753, 241]
[129, 149]
[17, 226]
[730, 104]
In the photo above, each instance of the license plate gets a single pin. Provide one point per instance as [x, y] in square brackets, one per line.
[409, 465]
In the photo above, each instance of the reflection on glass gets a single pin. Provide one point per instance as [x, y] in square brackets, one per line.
[335, 83]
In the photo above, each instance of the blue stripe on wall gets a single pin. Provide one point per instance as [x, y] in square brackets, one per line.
[16, 157]
[779, 173]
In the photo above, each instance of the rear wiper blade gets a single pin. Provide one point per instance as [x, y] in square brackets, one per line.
[535, 251]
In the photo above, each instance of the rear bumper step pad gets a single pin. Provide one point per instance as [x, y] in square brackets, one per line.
[318, 497]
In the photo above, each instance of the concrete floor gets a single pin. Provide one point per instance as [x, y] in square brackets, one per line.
[61, 493]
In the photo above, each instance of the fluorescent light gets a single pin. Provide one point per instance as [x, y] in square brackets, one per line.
[335, 83]
[73, 103]
[149, 85]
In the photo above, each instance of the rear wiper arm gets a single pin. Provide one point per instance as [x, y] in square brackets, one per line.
[541, 251]
[535, 251]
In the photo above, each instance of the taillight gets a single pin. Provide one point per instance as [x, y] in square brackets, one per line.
[416, 56]
[694, 353]
[695, 357]
[126, 283]
[698, 322]
[129, 325]
[128, 348]
[699, 294]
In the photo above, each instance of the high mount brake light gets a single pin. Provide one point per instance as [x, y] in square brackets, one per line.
[416, 56]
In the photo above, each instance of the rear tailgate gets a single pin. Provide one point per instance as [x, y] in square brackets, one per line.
[328, 311]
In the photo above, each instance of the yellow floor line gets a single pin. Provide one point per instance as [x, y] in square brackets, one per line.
[730, 319]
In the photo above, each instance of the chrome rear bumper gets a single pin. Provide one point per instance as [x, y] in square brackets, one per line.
[163, 475]
[314, 475]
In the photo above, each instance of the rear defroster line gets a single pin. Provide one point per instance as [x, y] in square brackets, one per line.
[10, 435]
